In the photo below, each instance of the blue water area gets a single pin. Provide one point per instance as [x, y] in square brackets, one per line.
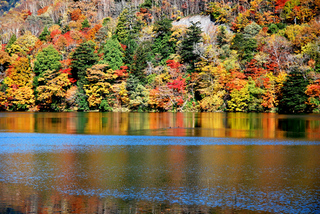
[277, 176]
[26, 142]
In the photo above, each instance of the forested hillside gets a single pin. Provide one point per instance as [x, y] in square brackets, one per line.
[152, 55]
[7, 5]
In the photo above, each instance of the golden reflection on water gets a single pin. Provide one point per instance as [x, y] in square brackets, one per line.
[47, 180]
[239, 125]
[95, 178]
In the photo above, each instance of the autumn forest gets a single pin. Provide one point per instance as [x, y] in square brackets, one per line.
[160, 55]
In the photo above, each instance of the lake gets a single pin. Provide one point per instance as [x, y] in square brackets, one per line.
[159, 163]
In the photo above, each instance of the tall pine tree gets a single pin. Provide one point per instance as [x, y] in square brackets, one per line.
[162, 44]
[292, 97]
[82, 58]
[113, 55]
[122, 29]
[140, 58]
[44, 35]
[192, 38]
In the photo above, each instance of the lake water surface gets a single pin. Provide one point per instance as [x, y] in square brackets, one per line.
[159, 163]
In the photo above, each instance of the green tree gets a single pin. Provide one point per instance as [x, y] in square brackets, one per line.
[85, 24]
[192, 38]
[13, 38]
[130, 50]
[255, 97]
[245, 46]
[292, 96]
[141, 56]
[139, 98]
[162, 44]
[82, 58]
[44, 35]
[222, 36]
[113, 55]
[122, 29]
[48, 59]
[251, 30]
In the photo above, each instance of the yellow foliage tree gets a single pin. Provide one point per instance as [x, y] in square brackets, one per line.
[19, 81]
[100, 78]
[52, 91]
[239, 99]
[272, 85]
[211, 87]
[24, 44]
[121, 94]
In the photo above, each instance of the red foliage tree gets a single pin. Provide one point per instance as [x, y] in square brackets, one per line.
[42, 10]
[280, 5]
[178, 84]
[253, 70]
[235, 80]
[122, 73]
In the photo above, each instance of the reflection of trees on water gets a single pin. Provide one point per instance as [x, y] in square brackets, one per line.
[79, 204]
[115, 179]
[257, 125]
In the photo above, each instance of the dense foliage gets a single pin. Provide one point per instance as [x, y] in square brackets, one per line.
[106, 55]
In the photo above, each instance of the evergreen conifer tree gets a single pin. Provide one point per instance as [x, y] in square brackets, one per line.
[246, 47]
[48, 59]
[192, 38]
[221, 37]
[113, 55]
[82, 58]
[130, 50]
[85, 24]
[122, 29]
[293, 98]
[13, 38]
[44, 35]
[140, 58]
[162, 44]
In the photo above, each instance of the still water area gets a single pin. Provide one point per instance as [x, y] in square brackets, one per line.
[159, 163]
